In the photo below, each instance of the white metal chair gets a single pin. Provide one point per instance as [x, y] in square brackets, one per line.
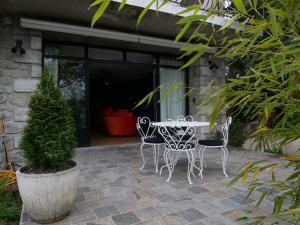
[179, 140]
[222, 143]
[149, 136]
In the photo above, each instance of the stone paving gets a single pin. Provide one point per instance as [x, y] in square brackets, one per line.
[114, 191]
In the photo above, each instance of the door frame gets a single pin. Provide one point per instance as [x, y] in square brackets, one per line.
[155, 65]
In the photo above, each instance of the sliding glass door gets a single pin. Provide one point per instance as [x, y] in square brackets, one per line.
[172, 105]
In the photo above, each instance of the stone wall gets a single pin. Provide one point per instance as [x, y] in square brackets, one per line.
[200, 76]
[19, 75]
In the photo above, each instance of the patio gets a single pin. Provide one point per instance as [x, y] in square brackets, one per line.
[114, 191]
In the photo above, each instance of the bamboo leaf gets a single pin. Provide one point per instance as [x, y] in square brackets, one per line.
[143, 13]
[100, 11]
[261, 198]
[229, 22]
[255, 174]
[182, 31]
[201, 50]
[294, 211]
[275, 26]
[192, 18]
[239, 4]
[121, 6]
[244, 177]
[293, 176]
[96, 2]
[291, 158]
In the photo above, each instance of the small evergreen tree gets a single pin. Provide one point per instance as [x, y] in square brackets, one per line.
[48, 139]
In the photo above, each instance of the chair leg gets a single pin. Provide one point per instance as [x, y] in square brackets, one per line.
[190, 165]
[226, 150]
[224, 160]
[199, 154]
[142, 154]
[194, 154]
[157, 158]
[201, 160]
[166, 161]
[170, 165]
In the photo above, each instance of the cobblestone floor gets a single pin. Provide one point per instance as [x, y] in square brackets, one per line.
[114, 191]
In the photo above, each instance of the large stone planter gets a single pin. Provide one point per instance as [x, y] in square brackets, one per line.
[48, 197]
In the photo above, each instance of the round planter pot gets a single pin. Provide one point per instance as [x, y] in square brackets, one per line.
[48, 197]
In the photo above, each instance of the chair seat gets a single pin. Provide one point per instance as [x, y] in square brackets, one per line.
[154, 140]
[211, 142]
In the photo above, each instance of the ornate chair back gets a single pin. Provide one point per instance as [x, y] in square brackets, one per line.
[178, 138]
[225, 128]
[145, 127]
[185, 118]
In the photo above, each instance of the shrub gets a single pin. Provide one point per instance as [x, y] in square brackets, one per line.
[10, 204]
[48, 139]
[237, 135]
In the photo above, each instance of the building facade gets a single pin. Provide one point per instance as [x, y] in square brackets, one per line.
[58, 34]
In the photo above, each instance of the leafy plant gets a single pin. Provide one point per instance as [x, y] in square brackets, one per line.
[10, 204]
[237, 134]
[48, 140]
[267, 33]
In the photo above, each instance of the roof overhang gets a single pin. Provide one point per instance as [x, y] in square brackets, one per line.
[100, 33]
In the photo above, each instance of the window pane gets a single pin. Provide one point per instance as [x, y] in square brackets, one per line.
[139, 57]
[169, 61]
[64, 50]
[100, 53]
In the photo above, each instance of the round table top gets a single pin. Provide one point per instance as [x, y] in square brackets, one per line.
[181, 124]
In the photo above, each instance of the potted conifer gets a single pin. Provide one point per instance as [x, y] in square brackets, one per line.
[49, 181]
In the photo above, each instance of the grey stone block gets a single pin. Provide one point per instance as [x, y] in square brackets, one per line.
[17, 140]
[126, 219]
[191, 215]
[36, 42]
[24, 85]
[13, 128]
[36, 70]
[106, 211]
[19, 99]
[20, 114]
[197, 189]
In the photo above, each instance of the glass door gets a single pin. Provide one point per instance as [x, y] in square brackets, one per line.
[72, 79]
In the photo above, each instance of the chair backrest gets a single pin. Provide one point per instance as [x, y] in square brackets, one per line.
[178, 138]
[185, 118]
[225, 128]
[145, 127]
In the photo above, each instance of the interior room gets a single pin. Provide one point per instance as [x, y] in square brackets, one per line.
[114, 91]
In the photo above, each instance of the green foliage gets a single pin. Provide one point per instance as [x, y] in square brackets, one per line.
[237, 134]
[267, 34]
[10, 204]
[285, 192]
[48, 139]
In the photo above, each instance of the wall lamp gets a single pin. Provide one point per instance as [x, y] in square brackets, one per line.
[212, 65]
[18, 49]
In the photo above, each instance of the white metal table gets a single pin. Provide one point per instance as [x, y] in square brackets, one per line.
[181, 124]
[186, 124]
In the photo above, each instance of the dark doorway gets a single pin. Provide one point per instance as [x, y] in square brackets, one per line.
[117, 87]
